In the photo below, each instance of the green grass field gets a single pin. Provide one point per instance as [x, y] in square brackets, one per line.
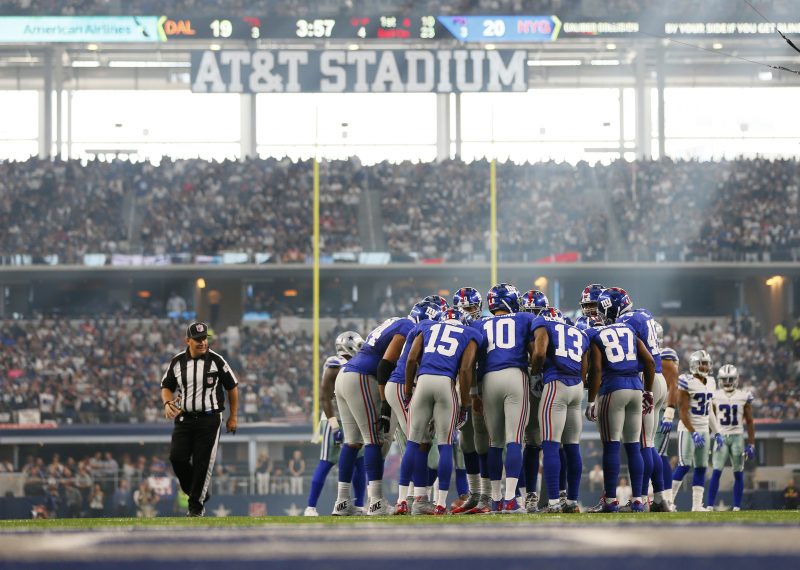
[727, 517]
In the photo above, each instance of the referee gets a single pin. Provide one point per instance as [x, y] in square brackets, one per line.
[199, 376]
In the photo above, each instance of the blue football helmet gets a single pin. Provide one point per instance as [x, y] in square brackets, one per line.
[452, 314]
[612, 303]
[440, 301]
[424, 310]
[534, 301]
[503, 297]
[589, 299]
[469, 301]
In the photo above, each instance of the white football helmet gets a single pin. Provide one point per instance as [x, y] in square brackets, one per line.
[700, 363]
[348, 344]
[659, 332]
[728, 377]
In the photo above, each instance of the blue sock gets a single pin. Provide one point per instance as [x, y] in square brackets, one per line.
[495, 463]
[635, 466]
[647, 469]
[699, 477]
[574, 470]
[445, 471]
[738, 488]
[462, 487]
[483, 465]
[359, 482]
[420, 467]
[432, 474]
[551, 461]
[530, 459]
[407, 466]
[562, 474]
[680, 472]
[713, 487]
[347, 457]
[513, 458]
[472, 463]
[658, 471]
[373, 461]
[318, 481]
[667, 471]
[610, 468]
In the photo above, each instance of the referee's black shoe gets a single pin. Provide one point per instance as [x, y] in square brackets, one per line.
[200, 513]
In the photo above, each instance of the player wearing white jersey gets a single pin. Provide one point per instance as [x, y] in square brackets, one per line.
[734, 408]
[695, 395]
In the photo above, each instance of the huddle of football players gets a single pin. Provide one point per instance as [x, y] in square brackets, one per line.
[488, 393]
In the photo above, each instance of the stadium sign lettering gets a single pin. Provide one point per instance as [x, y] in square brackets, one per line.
[361, 71]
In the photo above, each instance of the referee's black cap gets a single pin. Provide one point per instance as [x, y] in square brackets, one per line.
[197, 330]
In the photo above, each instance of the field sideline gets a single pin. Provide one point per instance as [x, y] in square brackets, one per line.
[724, 517]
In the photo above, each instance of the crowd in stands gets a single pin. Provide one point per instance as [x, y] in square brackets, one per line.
[661, 210]
[574, 9]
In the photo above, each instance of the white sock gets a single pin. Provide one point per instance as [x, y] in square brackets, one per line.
[523, 491]
[428, 491]
[375, 490]
[676, 486]
[410, 491]
[497, 493]
[571, 503]
[511, 488]
[474, 482]
[697, 497]
[667, 494]
[343, 492]
[634, 499]
[486, 487]
[658, 497]
[441, 497]
[402, 493]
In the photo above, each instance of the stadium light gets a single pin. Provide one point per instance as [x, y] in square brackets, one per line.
[136, 63]
[611, 47]
[84, 63]
[775, 281]
[553, 62]
[92, 47]
[765, 75]
[716, 45]
[540, 283]
[604, 62]
[201, 283]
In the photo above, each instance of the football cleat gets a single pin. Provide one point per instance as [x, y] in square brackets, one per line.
[310, 512]
[702, 509]
[497, 506]
[571, 508]
[423, 506]
[627, 507]
[459, 501]
[662, 507]
[557, 508]
[736, 509]
[512, 507]
[605, 506]
[401, 508]
[343, 509]
[378, 507]
[532, 502]
[482, 508]
[637, 507]
[562, 498]
[472, 501]
[359, 511]
[439, 510]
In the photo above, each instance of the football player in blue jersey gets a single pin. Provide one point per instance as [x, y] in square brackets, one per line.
[561, 356]
[474, 438]
[615, 355]
[642, 321]
[395, 396]
[442, 353]
[347, 346]
[504, 359]
[533, 301]
[589, 317]
[359, 393]
[670, 370]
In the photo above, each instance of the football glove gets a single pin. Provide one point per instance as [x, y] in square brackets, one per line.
[719, 440]
[648, 403]
[338, 434]
[749, 451]
[537, 385]
[666, 422]
[591, 412]
[699, 442]
[382, 424]
[463, 416]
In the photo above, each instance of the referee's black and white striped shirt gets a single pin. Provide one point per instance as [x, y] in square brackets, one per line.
[200, 381]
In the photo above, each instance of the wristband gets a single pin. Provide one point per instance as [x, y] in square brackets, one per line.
[333, 422]
[669, 413]
[473, 391]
